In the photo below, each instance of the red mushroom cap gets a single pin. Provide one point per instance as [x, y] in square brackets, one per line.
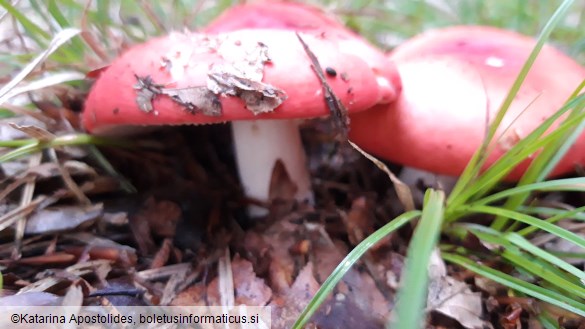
[454, 79]
[275, 15]
[185, 64]
[307, 19]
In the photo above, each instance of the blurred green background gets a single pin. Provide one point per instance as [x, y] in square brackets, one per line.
[386, 23]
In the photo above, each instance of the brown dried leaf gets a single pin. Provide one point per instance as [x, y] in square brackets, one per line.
[250, 290]
[142, 235]
[162, 216]
[281, 237]
[122, 255]
[359, 221]
[158, 218]
[281, 192]
[287, 306]
[402, 190]
[55, 258]
[336, 108]
[192, 296]
[35, 132]
[356, 286]
[453, 298]
[162, 255]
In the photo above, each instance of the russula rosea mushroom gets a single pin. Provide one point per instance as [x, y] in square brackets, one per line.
[262, 75]
[309, 20]
[455, 80]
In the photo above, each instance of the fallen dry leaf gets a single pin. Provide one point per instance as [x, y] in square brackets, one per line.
[162, 255]
[250, 289]
[192, 296]
[287, 306]
[452, 297]
[359, 221]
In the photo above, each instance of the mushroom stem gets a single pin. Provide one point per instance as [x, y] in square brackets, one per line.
[258, 145]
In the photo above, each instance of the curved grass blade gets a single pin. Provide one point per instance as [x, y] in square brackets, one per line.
[530, 220]
[519, 241]
[557, 215]
[567, 184]
[459, 195]
[348, 262]
[546, 295]
[412, 295]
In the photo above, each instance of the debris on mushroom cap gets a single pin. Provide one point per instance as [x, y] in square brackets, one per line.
[313, 21]
[454, 81]
[192, 78]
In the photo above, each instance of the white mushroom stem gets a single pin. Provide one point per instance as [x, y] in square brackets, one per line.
[258, 145]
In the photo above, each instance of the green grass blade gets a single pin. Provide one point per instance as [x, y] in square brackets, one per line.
[524, 148]
[35, 32]
[412, 295]
[348, 262]
[546, 295]
[530, 220]
[30, 146]
[519, 241]
[567, 184]
[542, 264]
[544, 164]
[458, 195]
[77, 49]
[557, 215]
[548, 159]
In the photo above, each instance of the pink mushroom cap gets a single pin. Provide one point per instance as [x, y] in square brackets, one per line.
[298, 17]
[455, 80]
[185, 60]
[276, 15]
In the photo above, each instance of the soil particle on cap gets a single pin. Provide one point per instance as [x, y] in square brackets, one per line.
[331, 72]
